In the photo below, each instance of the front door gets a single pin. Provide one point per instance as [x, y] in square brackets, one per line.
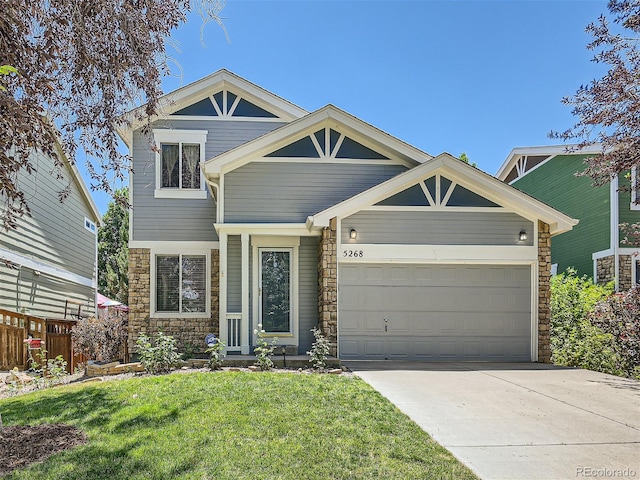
[275, 289]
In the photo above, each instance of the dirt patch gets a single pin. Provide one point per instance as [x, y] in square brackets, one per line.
[20, 446]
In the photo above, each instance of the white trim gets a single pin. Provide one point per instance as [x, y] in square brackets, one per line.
[245, 247]
[549, 158]
[413, 208]
[164, 135]
[327, 117]
[174, 250]
[329, 160]
[634, 191]
[437, 253]
[516, 153]
[91, 227]
[461, 173]
[258, 244]
[219, 118]
[179, 193]
[46, 269]
[171, 246]
[196, 91]
[286, 229]
[614, 213]
[535, 276]
[222, 290]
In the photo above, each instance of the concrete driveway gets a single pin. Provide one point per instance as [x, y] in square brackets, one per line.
[519, 421]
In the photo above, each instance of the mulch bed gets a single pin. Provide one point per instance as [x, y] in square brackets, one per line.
[20, 446]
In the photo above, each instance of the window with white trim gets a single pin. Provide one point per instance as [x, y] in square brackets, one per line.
[89, 225]
[181, 286]
[635, 186]
[178, 159]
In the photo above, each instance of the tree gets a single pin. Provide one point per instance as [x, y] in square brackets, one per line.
[608, 109]
[79, 66]
[465, 159]
[113, 252]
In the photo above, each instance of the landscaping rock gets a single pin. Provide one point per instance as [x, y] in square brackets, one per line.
[16, 376]
[254, 368]
[335, 371]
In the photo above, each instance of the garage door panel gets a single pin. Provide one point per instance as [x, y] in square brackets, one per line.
[435, 312]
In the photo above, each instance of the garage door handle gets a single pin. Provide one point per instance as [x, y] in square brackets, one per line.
[386, 320]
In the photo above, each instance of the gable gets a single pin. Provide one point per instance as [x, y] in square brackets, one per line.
[447, 184]
[327, 143]
[437, 191]
[226, 104]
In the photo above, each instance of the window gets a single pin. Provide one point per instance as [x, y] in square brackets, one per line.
[635, 186]
[89, 225]
[180, 153]
[181, 285]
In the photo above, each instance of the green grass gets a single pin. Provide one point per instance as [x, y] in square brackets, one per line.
[232, 425]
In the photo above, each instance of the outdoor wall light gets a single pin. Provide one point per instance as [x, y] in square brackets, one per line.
[522, 236]
[353, 234]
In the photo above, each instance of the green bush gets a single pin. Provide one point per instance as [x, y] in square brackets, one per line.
[575, 341]
[159, 355]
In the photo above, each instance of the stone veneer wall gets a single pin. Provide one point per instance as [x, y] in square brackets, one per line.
[544, 293]
[328, 285]
[606, 266]
[188, 331]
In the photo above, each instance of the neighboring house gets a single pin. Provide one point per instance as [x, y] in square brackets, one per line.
[249, 210]
[51, 258]
[596, 246]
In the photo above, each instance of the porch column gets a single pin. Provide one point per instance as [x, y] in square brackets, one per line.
[246, 334]
[222, 300]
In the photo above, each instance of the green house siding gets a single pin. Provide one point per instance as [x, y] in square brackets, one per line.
[555, 183]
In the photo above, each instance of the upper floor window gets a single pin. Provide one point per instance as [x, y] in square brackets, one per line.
[635, 186]
[178, 159]
[89, 225]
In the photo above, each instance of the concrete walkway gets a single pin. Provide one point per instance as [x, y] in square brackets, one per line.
[519, 421]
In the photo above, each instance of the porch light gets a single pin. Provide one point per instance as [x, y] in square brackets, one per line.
[353, 234]
[522, 236]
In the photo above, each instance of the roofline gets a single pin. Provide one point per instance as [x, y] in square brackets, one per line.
[520, 202]
[84, 191]
[247, 151]
[567, 149]
[172, 101]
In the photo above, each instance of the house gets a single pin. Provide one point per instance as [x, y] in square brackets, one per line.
[49, 263]
[596, 246]
[248, 210]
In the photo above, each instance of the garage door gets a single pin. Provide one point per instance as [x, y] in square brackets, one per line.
[434, 312]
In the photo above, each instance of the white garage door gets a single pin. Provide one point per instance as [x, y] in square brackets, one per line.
[434, 312]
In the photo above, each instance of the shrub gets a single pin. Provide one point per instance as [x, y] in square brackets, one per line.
[216, 355]
[575, 341]
[159, 355]
[264, 350]
[99, 339]
[619, 317]
[319, 350]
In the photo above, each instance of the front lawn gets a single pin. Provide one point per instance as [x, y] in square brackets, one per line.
[231, 425]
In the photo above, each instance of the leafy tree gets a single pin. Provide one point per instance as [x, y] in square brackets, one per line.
[79, 65]
[113, 252]
[465, 159]
[608, 108]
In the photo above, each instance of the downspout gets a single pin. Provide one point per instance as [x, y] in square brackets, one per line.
[615, 231]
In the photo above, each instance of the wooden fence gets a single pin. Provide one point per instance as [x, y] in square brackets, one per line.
[15, 328]
[55, 334]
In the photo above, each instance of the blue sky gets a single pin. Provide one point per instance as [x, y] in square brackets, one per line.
[480, 77]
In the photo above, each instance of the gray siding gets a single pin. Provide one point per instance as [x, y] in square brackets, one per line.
[289, 192]
[40, 295]
[53, 235]
[183, 219]
[437, 228]
[234, 274]
[308, 291]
